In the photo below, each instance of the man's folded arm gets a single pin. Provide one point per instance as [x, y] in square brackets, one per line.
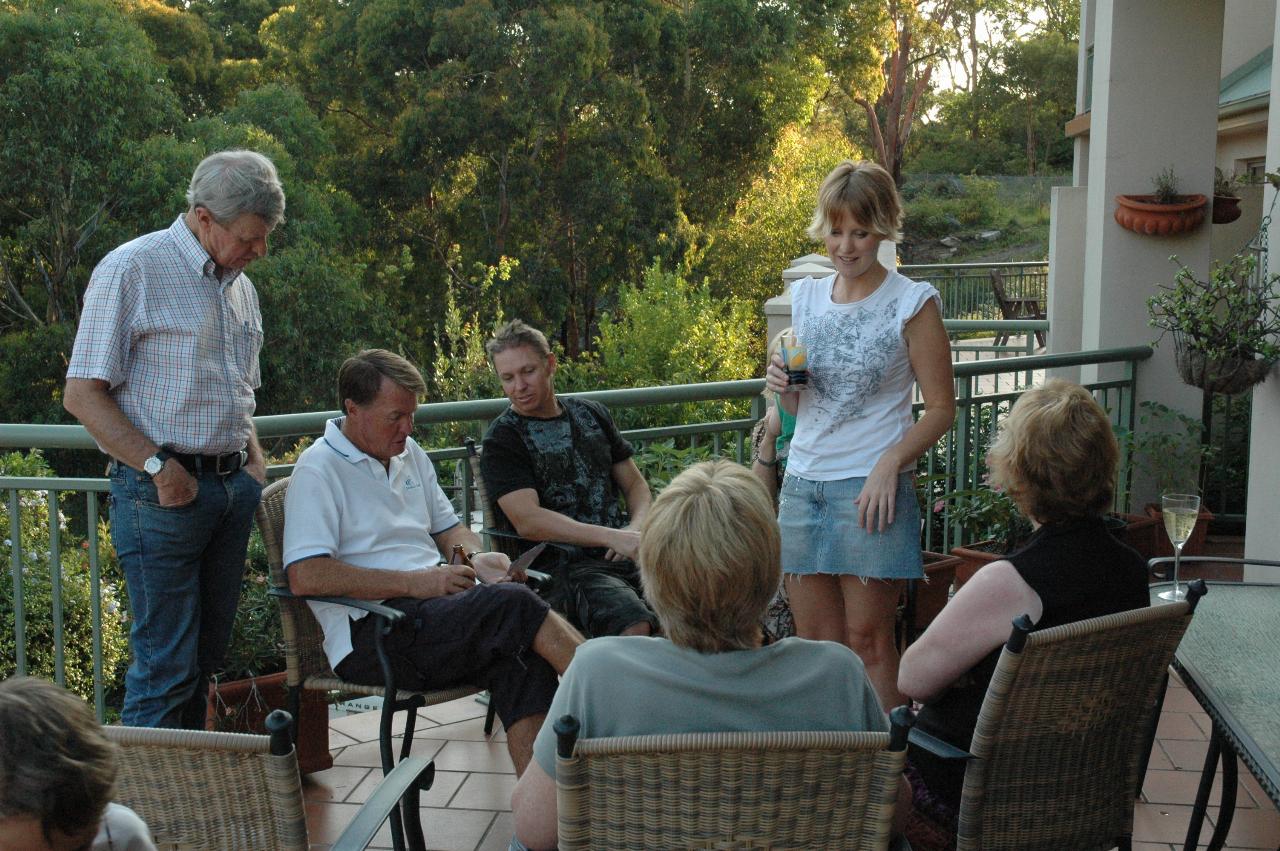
[536, 523]
[324, 576]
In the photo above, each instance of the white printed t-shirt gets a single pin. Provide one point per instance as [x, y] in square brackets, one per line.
[342, 503]
[858, 400]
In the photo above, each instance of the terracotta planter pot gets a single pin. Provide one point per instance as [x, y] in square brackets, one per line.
[1194, 545]
[1140, 532]
[1226, 208]
[1140, 214]
[242, 706]
[973, 557]
[931, 594]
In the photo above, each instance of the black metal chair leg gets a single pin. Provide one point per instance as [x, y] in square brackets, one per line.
[1227, 804]
[488, 718]
[1202, 794]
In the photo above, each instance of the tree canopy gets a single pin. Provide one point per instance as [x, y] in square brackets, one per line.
[449, 163]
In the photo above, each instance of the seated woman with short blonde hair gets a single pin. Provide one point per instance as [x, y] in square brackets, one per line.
[709, 562]
[1056, 456]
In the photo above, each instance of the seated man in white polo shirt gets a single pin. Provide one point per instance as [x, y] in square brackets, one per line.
[366, 518]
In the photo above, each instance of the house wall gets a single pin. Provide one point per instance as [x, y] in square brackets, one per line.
[1234, 149]
[1246, 29]
[1067, 208]
[1140, 124]
[1262, 534]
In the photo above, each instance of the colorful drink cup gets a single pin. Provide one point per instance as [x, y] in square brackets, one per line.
[795, 359]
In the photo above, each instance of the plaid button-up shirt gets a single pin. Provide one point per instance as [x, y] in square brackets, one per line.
[177, 347]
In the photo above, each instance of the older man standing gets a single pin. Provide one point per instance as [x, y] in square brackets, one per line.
[163, 375]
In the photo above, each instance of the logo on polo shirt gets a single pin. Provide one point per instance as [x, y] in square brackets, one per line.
[410, 483]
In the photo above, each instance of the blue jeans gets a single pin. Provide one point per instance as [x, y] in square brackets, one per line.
[183, 567]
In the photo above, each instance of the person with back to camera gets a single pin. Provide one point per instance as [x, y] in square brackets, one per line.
[1056, 456]
[712, 672]
[847, 508]
[57, 773]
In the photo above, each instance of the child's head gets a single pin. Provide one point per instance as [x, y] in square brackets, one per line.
[864, 191]
[57, 769]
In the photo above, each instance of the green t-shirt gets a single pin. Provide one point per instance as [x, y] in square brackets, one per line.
[632, 686]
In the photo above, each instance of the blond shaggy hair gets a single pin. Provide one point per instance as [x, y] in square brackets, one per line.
[514, 334]
[710, 557]
[864, 191]
[1056, 454]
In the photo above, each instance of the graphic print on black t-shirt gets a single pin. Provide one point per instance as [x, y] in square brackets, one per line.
[567, 459]
[849, 352]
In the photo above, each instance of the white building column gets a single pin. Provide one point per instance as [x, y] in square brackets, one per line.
[1156, 70]
[1262, 535]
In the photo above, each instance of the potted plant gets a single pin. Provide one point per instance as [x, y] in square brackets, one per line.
[989, 518]
[1226, 203]
[1168, 446]
[1224, 326]
[1165, 211]
[252, 682]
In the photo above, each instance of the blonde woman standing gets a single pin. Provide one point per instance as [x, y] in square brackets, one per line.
[847, 508]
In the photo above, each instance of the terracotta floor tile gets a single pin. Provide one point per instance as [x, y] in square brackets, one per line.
[1255, 791]
[327, 820]
[1165, 823]
[334, 784]
[1252, 828]
[364, 726]
[455, 710]
[1179, 787]
[1185, 754]
[470, 730]
[500, 832]
[445, 830]
[367, 753]
[1178, 725]
[483, 791]
[1158, 761]
[475, 756]
[1179, 699]
[340, 740]
[442, 790]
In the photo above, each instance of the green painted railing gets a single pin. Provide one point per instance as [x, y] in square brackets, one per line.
[966, 287]
[955, 464]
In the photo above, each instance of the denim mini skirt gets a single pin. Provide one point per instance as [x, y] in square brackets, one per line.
[820, 532]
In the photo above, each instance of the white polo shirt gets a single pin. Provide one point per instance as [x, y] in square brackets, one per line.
[342, 503]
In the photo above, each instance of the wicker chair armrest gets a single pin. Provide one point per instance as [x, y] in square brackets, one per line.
[410, 775]
[370, 606]
[937, 747]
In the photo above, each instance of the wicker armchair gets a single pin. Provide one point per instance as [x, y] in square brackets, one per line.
[729, 790]
[307, 667]
[201, 790]
[1062, 739]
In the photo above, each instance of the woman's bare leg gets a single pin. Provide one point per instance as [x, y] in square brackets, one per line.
[870, 607]
[817, 606]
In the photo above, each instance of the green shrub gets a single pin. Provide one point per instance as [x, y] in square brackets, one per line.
[77, 591]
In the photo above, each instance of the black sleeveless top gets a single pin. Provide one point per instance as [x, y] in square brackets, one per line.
[1079, 571]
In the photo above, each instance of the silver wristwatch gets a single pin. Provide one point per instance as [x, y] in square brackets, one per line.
[153, 465]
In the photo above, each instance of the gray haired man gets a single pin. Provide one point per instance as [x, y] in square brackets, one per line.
[162, 375]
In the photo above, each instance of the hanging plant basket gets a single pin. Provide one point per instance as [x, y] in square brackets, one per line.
[1226, 208]
[1141, 214]
[1218, 375]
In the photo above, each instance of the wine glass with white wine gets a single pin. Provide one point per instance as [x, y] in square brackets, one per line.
[1180, 513]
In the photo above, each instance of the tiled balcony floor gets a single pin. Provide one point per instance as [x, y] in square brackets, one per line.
[468, 808]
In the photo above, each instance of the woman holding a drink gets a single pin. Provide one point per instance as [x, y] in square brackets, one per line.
[864, 337]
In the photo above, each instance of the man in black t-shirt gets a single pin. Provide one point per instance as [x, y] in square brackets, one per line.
[556, 468]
